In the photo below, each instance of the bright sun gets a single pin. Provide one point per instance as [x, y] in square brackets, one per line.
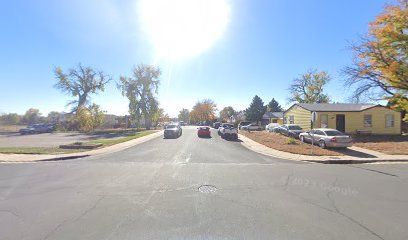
[183, 28]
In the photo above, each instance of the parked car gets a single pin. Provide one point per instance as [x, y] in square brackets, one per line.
[252, 126]
[221, 129]
[230, 132]
[223, 125]
[38, 128]
[243, 123]
[204, 131]
[290, 130]
[271, 126]
[327, 137]
[216, 125]
[173, 130]
[276, 129]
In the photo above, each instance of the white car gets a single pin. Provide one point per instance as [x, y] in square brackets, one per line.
[230, 132]
[221, 128]
[252, 126]
[270, 127]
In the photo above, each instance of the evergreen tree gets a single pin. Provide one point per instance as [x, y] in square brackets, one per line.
[274, 106]
[256, 110]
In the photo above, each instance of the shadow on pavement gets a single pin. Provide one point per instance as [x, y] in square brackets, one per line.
[233, 140]
[354, 153]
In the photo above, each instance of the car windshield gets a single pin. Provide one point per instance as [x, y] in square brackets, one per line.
[334, 133]
[294, 127]
[171, 126]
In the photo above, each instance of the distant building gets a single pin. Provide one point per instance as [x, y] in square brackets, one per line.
[272, 117]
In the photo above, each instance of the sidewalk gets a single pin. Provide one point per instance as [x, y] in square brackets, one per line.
[54, 157]
[370, 156]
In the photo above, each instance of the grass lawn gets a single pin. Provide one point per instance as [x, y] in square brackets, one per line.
[129, 136]
[389, 144]
[285, 144]
[38, 150]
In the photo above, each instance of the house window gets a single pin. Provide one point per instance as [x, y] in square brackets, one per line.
[368, 120]
[324, 121]
[292, 119]
[389, 120]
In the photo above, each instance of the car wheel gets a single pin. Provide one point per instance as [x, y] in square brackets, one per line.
[322, 144]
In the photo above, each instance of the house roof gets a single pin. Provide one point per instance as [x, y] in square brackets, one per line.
[273, 115]
[336, 107]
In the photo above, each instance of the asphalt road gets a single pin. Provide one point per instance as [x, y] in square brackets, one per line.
[50, 139]
[191, 188]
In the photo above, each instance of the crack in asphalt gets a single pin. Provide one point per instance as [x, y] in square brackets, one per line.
[333, 203]
[11, 212]
[84, 213]
[376, 171]
[142, 205]
[336, 209]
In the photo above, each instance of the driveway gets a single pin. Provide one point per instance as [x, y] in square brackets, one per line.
[48, 139]
[192, 188]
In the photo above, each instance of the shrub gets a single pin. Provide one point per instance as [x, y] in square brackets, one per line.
[291, 141]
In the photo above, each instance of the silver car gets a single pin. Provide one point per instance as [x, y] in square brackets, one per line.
[327, 137]
[252, 126]
[271, 126]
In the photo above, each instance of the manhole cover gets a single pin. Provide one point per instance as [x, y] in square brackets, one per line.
[207, 188]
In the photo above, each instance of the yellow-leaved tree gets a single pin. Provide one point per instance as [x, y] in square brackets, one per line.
[380, 67]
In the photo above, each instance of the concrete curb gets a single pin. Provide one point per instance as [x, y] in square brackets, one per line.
[24, 158]
[377, 157]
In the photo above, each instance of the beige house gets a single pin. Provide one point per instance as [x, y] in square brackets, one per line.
[272, 117]
[349, 118]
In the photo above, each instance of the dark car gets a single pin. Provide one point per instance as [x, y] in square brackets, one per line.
[37, 128]
[172, 131]
[290, 130]
[216, 125]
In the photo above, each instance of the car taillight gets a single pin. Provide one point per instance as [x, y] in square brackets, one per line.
[333, 140]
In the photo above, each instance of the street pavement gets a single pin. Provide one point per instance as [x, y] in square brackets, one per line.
[50, 139]
[192, 188]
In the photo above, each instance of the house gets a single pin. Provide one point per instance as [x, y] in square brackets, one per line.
[345, 117]
[272, 117]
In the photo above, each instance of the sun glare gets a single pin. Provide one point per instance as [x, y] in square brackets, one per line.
[183, 28]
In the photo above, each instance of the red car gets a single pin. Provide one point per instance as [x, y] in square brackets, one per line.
[204, 131]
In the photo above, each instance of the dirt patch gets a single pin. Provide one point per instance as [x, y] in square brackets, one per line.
[389, 144]
[285, 144]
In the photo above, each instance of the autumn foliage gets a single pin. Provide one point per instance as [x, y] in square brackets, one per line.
[203, 111]
[380, 68]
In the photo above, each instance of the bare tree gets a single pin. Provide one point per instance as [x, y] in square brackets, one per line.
[81, 82]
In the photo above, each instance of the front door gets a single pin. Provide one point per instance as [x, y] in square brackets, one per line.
[341, 122]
